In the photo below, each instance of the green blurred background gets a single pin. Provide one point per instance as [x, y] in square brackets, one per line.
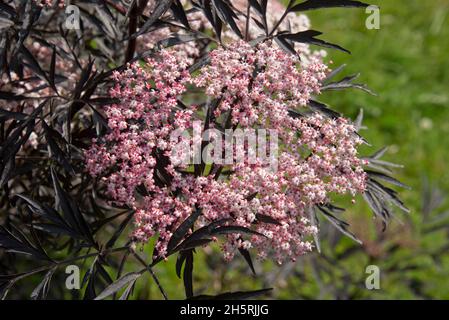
[406, 63]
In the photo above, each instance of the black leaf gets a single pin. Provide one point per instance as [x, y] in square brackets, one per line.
[71, 212]
[41, 291]
[317, 4]
[161, 7]
[51, 75]
[235, 229]
[44, 210]
[245, 253]
[285, 45]
[179, 13]
[179, 262]
[339, 224]
[119, 230]
[309, 37]
[347, 83]
[212, 17]
[182, 230]
[15, 244]
[6, 115]
[324, 109]
[386, 178]
[334, 72]
[177, 39]
[188, 274]
[200, 63]
[55, 151]
[227, 15]
[267, 219]
[187, 245]
[200, 234]
[33, 64]
[128, 291]
[119, 284]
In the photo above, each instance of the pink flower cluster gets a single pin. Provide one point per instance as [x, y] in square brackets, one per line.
[257, 86]
[260, 83]
[140, 125]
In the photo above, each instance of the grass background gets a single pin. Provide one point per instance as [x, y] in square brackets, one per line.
[406, 63]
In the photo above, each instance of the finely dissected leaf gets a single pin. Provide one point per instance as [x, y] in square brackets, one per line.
[41, 291]
[51, 75]
[255, 4]
[100, 223]
[60, 226]
[339, 224]
[179, 13]
[379, 208]
[386, 194]
[386, 178]
[28, 18]
[107, 20]
[227, 15]
[202, 233]
[128, 291]
[56, 152]
[179, 262]
[235, 229]
[324, 109]
[14, 142]
[200, 63]
[10, 148]
[177, 39]
[379, 154]
[33, 64]
[285, 45]
[188, 274]
[71, 212]
[6, 115]
[347, 83]
[193, 244]
[11, 96]
[119, 230]
[161, 7]
[295, 114]
[182, 230]
[83, 81]
[333, 208]
[333, 73]
[7, 171]
[102, 271]
[267, 219]
[12, 243]
[5, 23]
[119, 284]
[245, 253]
[212, 16]
[4, 289]
[358, 121]
[57, 230]
[309, 37]
[318, 4]
[3, 52]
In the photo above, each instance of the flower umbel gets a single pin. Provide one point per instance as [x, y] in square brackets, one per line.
[252, 87]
